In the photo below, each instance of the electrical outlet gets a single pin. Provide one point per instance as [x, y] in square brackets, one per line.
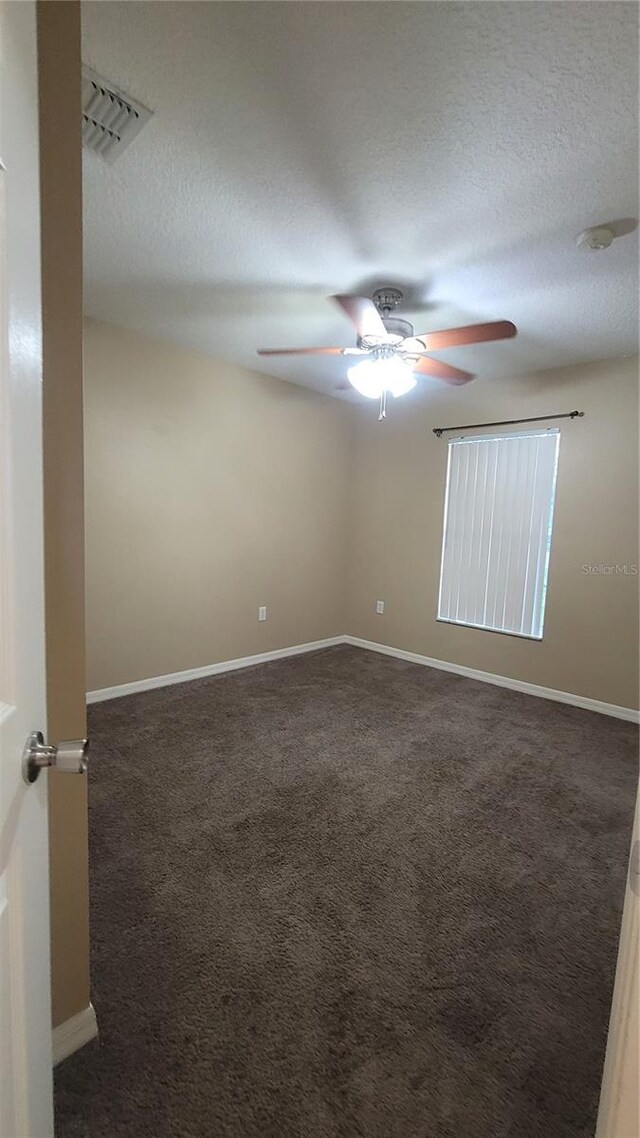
[379, 607]
[262, 612]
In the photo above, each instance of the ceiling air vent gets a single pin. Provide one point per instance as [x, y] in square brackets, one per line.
[110, 119]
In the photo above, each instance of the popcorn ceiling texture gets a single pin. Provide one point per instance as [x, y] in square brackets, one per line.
[344, 896]
[299, 150]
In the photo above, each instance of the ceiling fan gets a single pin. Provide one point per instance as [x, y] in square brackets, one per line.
[393, 354]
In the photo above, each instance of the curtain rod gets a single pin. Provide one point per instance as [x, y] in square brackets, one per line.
[439, 431]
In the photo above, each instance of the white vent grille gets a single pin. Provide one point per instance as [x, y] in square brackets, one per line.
[110, 119]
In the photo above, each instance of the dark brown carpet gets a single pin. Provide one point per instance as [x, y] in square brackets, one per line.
[342, 895]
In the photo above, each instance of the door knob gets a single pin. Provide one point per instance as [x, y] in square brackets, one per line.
[71, 755]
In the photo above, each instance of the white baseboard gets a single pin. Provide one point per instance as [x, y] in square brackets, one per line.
[71, 1035]
[210, 670]
[500, 681]
[612, 709]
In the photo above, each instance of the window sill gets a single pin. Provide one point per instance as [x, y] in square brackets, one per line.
[488, 628]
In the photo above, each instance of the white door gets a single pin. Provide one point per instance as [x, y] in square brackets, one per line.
[25, 1015]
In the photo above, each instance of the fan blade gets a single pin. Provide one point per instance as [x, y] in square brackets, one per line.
[300, 351]
[363, 313]
[471, 334]
[425, 365]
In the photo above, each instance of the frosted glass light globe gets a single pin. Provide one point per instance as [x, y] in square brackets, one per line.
[372, 377]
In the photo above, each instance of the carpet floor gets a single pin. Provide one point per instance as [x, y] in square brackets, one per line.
[342, 895]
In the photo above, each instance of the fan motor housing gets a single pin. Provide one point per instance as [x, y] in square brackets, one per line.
[397, 327]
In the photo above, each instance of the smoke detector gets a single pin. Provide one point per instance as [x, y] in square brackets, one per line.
[110, 119]
[596, 238]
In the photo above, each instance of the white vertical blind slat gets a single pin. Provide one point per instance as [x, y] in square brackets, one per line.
[513, 615]
[498, 513]
[529, 573]
[496, 580]
[545, 488]
[464, 535]
[446, 581]
[452, 556]
[476, 590]
[518, 498]
[462, 506]
[489, 511]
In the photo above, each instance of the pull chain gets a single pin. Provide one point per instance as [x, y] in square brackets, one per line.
[383, 405]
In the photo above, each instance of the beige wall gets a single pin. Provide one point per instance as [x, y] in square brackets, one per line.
[210, 491]
[61, 219]
[590, 644]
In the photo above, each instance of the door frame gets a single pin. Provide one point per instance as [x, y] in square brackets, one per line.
[619, 1113]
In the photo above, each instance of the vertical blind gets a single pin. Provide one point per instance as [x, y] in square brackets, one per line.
[497, 531]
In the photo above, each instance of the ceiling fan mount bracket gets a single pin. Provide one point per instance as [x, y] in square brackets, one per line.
[387, 300]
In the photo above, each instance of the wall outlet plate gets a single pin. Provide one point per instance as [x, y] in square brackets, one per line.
[262, 612]
[379, 607]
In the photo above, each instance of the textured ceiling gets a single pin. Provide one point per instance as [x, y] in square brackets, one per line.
[302, 149]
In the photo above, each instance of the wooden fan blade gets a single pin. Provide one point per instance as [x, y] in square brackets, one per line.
[425, 365]
[363, 313]
[471, 334]
[300, 351]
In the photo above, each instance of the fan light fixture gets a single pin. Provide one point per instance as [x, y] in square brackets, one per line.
[373, 377]
[394, 356]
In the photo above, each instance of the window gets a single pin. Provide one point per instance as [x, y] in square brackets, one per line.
[498, 517]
